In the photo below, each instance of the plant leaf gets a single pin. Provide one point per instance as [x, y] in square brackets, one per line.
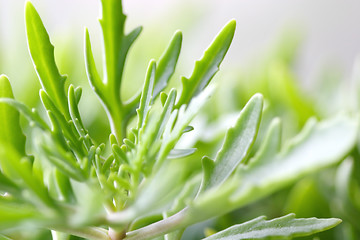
[180, 153]
[279, 228]
[238, 142]
[116, 43]
[208, 65]
[42, 54]
[91, 71]
[146, 95]
[316, 147]
[167, 63]
[11, 132]
[31, 115]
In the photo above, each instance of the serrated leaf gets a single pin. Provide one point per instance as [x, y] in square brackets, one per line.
[238, 142]
[73, 99]
[42, 54]
[116, 43]
[167, 63]
[208, 65]
[285, 227]
[174, 129]
[91, 71]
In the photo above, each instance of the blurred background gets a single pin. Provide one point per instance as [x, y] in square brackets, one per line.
[300, 54]
[329, 31]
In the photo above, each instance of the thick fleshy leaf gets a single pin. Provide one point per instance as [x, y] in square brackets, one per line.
[285, 227]
[238, 142]
[167, 63]
[42, 54]
[208, 65]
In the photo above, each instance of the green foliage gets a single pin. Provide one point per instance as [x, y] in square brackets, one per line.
[143, 183]
[285, 227]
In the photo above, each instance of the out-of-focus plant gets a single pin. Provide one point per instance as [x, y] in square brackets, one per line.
[136, 185]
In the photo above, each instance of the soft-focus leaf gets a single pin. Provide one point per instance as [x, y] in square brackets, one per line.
[15, 213]
[180, 153]
[316, 147]
[285, 227]
[11, 132]
[31, 115]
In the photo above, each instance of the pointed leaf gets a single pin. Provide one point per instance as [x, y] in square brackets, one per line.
[146, 95]
[279, 228]
[167, 63]
[208, 65]
[42, 54]
[180, 153]
[11, 132]
[91, 71]
[238, 141]
[31, 115]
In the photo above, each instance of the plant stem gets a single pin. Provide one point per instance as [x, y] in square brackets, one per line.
[159, 228]
[93, 233]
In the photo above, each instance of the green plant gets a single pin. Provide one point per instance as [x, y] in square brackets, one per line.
[137, 185]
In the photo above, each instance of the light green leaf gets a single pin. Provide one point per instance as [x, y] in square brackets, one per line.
[91, 71]
[208, 65]
[11, 132]
[31, 115]
[167, 63]
[73, 99]
[42, 54]
[238, 142]
[180, 153]
[316, 147]
[6, 185]
[285, 227]
[15, 213]
[146, 96]
[178, 122]
[116, 43]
